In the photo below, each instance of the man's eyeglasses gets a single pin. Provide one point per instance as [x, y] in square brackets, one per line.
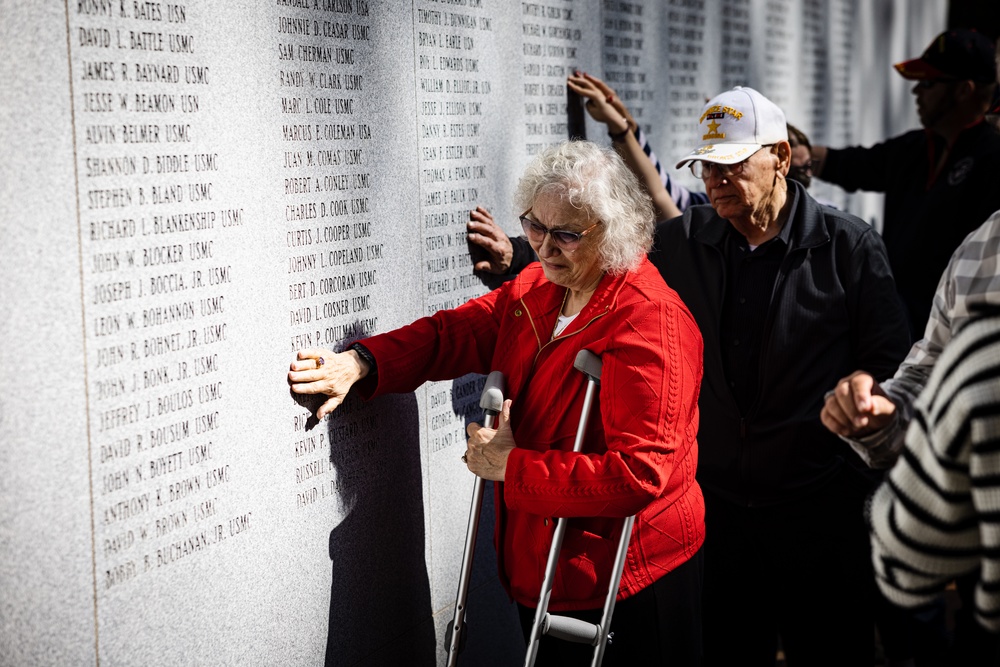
[704, 170]
[563, 238]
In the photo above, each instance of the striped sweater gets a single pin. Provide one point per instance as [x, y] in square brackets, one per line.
[937, 515]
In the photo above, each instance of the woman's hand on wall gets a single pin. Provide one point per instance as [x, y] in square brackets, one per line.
[319, 371]
[484, 232]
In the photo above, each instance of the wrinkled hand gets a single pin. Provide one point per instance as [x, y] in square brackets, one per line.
[334, 377]
[602, 103]
[857, 407]
[486, 233]
[489, 448]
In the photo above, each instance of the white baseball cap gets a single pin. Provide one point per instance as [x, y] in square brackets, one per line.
[736, 124]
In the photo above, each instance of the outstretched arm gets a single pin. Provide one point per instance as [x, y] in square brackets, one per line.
[605, 107]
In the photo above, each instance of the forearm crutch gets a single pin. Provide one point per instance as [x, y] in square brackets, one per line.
[491, 402]
[564, 627]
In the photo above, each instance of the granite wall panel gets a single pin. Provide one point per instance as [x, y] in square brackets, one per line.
[194, 191]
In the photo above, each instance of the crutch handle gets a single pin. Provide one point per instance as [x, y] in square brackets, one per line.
[589, 364]
[571, 629]
[492, 398]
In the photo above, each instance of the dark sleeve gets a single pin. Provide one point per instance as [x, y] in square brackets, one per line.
[523, 255]
[880, 335]
[860, 168]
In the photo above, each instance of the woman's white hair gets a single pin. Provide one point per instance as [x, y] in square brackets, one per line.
[595, 181]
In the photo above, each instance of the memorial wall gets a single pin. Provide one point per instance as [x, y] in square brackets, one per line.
[192, 191]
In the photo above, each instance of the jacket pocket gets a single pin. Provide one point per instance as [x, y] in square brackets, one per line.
[584, 566]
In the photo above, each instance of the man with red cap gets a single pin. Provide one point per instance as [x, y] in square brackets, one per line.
[940, 182]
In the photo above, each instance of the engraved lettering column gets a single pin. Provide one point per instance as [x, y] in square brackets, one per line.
[454, 93]
[842, 61]
[735, 37]
[815, 74]
[456, 108]
[776, 41]
[834, 113]
[349, 492]
[628, 58]
[689, 80]
[334, 253]
[553, 34]
[156, 226]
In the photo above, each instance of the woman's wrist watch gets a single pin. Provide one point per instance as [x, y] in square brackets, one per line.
[366, 355]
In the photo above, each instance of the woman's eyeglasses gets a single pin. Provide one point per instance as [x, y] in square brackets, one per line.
[564, 239]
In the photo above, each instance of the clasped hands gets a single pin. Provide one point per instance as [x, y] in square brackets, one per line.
[857, 407]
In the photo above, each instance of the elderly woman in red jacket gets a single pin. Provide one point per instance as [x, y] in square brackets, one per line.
[590, 224]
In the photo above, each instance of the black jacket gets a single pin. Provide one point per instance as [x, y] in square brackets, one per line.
[834, 310]
[926, 217]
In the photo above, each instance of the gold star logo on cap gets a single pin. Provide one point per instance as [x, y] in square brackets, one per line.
[713, 132]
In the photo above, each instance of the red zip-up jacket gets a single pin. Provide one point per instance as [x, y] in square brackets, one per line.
[640, 451]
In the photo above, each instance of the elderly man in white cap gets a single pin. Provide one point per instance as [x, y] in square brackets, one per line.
[789, 296]
[786, 293]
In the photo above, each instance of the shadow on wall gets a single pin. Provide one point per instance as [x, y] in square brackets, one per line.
[380, 598]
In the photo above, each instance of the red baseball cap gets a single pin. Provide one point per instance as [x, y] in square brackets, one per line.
[954, 54]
